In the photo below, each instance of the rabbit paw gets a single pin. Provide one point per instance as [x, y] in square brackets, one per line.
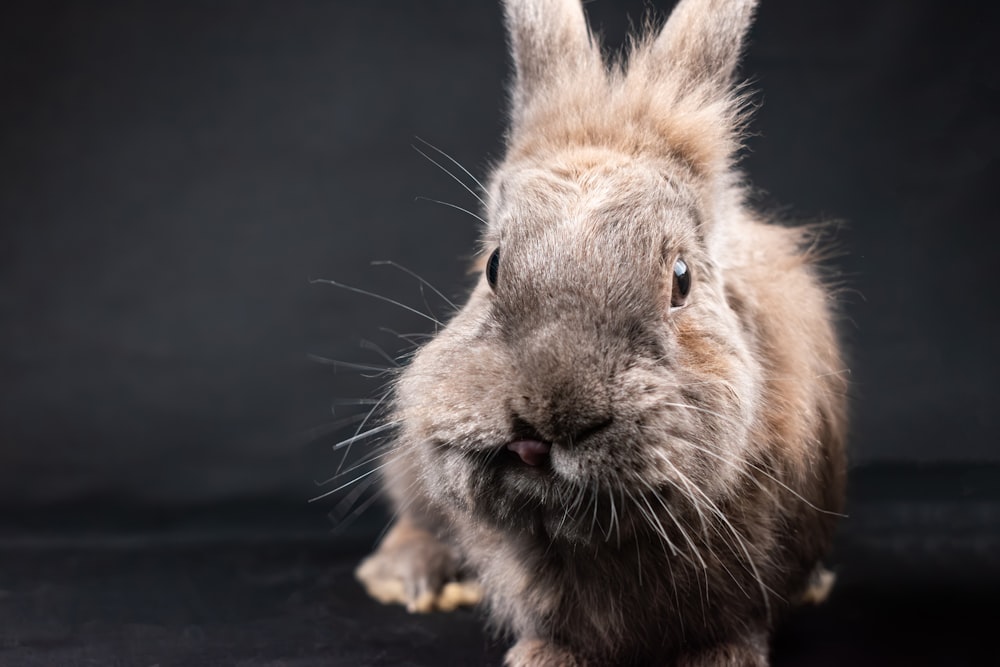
[818, 588]
[414, 568]
[540, 653]
[751, 652]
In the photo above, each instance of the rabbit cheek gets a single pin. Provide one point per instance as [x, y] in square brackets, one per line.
[717, 398]
[455, 476]
[702, 353]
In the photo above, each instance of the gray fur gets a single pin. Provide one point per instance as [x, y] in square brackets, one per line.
[696, 462]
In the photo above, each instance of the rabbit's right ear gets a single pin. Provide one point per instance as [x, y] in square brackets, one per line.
[549, 42]
[701, 41]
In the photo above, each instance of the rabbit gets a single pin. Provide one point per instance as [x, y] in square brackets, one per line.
[630, 439]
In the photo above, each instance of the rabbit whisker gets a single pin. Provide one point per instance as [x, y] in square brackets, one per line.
[347, 484]
[611, 519]
[687, 406]
[358, 290]
[663, 531]
[407, 337]
[597, 498]
[673, 517]
[454, 162]
[688, 495]
[736, 463]
[361, 426]
[367, 434]
[316, 432]
[386, 262]
[454, 177]
[348, 364]
[366, 459]
[345, 522]
[741, 541]
[377, 349]
[454, 206]
[697, 505]
[357, 466]
[750, 464]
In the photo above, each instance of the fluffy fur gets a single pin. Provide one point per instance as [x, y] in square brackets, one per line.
[695, 453]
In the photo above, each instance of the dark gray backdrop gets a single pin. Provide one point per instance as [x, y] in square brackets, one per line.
[172, 174]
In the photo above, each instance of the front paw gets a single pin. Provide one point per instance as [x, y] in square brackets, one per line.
[818, 588]
[750, 652]
[540, 653]
[414, 568]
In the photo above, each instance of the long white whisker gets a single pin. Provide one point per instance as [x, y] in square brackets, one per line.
[735, 466]
[697, 504]
[689, 485]
[456, 178]
[741, 542]
[377, 349]
[347, 520]
[408, 337]
[365, 460]
[367, 434]
[360, 427]
[655, 525]
[347, 364]
[315, 432]
[347, 484]
[663, 531]
[700, 409]
[388, 262]
[454, 206]
[454, 162]
[766, 474]
[611, 518]
[596, 496]
[327, 281]
[357, 466]
[677, 523]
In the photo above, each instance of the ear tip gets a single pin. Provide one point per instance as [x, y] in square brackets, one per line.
[702, 40]
[546, 38]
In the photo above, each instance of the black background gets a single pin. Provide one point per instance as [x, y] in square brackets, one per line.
[173, 174]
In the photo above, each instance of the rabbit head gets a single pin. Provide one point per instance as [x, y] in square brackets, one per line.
[616, 344]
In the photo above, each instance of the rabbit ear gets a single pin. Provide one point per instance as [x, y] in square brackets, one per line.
[549, 40]
[702, 40]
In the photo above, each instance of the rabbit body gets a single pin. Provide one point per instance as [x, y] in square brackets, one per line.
[631, 435]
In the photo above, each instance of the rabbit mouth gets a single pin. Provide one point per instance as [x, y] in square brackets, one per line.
[530, 448]
[542, 488]
[534, 453]
[526, 462]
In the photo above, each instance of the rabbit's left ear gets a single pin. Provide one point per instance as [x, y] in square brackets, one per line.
[691, 66]
[700, 44]
[549, 42]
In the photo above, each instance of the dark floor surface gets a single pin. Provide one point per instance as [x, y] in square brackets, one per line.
[918, 563]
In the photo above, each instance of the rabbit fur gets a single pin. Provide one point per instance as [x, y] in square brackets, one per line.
[633, 469]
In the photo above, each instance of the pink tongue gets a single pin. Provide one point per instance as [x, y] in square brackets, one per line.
[531, 452]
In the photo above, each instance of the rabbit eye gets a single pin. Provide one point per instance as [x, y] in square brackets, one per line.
[493, 268]
[682, 284]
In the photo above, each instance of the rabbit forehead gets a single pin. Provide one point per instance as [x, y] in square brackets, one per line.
[592, 191]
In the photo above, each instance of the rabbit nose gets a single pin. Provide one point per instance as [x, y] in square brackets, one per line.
[563, 423]
[565, 378]
[579, 428]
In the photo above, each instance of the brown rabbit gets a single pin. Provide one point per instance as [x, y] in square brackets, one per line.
[631, 436]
